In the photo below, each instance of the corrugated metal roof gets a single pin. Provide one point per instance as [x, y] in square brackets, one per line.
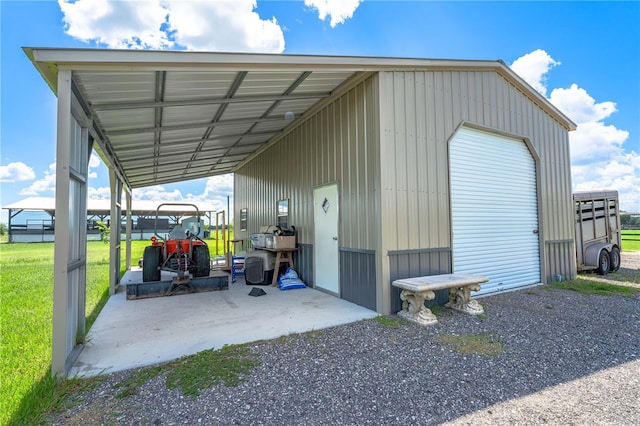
[168, 116]
[167, 126]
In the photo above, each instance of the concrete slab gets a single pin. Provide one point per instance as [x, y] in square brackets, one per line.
[135, 333]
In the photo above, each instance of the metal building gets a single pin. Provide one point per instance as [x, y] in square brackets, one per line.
[388, 167]
[432, 168]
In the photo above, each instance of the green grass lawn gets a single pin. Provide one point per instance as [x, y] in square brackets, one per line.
[25, 320]
[26, 312]
[26, 291]
[630, 240]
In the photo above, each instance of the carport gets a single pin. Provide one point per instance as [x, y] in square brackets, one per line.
[40, 230]
[160, 117]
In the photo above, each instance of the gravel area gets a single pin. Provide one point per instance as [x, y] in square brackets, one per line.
[629, 267]
[543, 356]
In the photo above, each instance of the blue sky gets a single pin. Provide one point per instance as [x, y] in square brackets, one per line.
[583, 56]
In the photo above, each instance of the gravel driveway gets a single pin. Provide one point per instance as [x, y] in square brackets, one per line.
[541, 356]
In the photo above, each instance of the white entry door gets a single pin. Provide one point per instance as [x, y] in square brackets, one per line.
[325, 253]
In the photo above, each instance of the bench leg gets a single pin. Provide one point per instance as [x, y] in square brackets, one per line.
[413, 308]
[460, 300]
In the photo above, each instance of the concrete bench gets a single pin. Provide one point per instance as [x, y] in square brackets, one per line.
[416, 290]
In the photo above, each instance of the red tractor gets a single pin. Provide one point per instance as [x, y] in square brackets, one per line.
[181, 252]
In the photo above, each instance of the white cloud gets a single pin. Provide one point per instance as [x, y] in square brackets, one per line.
[94, 161]
[216, 191]
[221, 25]
[595, 141]
[99, 193]
[216, 185]
[45, 185]
[533, 68]
[117, 24]
[580, 106]
[157, 192]
[224, 25]
[16, 172]
[621, 173]
[338, 10]
[598, 158]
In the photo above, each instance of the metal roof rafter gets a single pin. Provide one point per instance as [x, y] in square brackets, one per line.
[160, 84]
[116, 106]
[216, 153]
[178, 142]
[302, 77]
[172, 171]
[230, 94]
[167, 161]
[176, 178]
[207, 124]
[213, 153]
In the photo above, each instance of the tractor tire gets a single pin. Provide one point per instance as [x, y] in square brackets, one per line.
[151, 264]
[201, 259]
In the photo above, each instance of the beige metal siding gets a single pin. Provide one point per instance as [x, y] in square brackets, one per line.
[389, 135]
[339, 143]
[415, 202]
[420, 111]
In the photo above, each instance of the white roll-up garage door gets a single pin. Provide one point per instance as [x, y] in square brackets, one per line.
[494, 210]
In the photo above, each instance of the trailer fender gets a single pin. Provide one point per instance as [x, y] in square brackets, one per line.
[592, 253]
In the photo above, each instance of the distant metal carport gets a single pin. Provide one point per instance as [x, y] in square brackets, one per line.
[95, 208]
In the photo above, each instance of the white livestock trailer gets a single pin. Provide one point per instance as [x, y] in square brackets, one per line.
[597, 219]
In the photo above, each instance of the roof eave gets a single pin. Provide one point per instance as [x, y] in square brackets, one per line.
[551, 109]
[48, 70]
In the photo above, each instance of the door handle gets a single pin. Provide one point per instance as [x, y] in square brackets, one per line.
[335, 238]
[535, 231]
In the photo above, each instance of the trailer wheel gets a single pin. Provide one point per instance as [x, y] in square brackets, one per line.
[151, 264]
[614, 259]
[603, 263]
[201, 258]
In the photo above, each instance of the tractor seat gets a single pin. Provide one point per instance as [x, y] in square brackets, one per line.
[177, 233]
